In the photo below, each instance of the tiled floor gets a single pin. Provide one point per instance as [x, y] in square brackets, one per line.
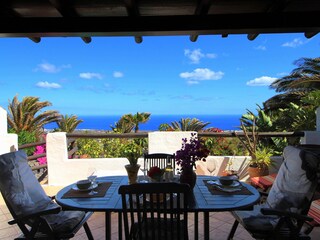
[220, 225]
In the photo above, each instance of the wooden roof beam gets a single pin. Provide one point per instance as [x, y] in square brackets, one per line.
[202, 9]
[133, 11]
[35, 39]
[286, 22]
[65, 8]
[7, 11]
[310, 34]
[253, 36]
[276, 6]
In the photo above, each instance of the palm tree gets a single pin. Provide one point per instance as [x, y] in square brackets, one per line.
[302, 80]
[25, 116]
[185, 124]
[129, 122]
[68, 123]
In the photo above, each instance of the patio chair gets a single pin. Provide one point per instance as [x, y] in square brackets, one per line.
[283, 214]
[155, 210]
[37, 215]
[159, 159]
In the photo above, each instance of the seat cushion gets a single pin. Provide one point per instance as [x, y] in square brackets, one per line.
[19, 185]
[292, 190]
[255, 221]
[263, 182]
[64, 221]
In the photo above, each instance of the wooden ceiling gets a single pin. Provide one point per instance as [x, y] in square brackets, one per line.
[88, 18]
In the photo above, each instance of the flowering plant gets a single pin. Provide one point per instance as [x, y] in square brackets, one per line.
[155, 173]
[190, 152]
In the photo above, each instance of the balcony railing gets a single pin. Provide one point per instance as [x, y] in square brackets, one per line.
[41, 172]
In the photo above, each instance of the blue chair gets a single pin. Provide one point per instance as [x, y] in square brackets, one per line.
[37, 215]
[284, 212]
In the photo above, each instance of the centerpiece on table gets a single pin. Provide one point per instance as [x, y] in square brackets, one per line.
[132, 151]
[192, 150]
[155, 174]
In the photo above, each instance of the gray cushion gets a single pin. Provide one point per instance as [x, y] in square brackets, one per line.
[19, 185]
[24, 193]
[64, 221]
[292, 189]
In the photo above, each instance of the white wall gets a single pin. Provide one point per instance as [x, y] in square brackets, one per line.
[166, 142]
[63, 171]
[8, 142]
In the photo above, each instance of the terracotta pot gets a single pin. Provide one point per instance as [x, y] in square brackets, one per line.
[188, 176]
[258, 171]
[132, 171]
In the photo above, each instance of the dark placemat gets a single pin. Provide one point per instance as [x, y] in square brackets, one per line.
[101, 191]
[213, 189]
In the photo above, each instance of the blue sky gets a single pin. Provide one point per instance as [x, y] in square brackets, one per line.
[162, 75]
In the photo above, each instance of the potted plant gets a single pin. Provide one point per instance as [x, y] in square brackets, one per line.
[132, 151]
[260, 155]
[192, 150]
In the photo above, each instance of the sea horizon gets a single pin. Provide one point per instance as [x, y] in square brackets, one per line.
[90, 122]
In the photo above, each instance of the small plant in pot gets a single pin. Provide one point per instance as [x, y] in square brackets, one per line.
[132, 151]
[260, 155]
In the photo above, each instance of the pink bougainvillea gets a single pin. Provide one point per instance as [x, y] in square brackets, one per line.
[39, 150]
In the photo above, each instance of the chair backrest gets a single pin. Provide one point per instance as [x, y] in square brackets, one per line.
[155, 210]
[159, 159]
[19, 187]
[297, 179]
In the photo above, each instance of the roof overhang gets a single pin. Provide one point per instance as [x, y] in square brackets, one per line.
[84, 18]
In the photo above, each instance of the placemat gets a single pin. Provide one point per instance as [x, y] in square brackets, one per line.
[214, 190]
[101, 191]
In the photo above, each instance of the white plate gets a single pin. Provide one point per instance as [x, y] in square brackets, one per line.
[232, 185]
[228, 189]
[74, 187]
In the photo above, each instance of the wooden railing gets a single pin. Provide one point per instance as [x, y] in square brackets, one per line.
[41, 170]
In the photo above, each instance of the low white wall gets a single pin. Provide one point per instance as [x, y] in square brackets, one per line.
[63, 171]
[166, 142]
[8, 141]
[236, 163]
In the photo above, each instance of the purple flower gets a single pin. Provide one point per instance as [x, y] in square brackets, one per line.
[190, 152]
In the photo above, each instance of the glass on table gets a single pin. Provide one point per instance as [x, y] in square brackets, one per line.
[211, 166]
[144, 169]
[92, 175]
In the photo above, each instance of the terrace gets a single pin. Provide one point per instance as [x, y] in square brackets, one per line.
[86, 19]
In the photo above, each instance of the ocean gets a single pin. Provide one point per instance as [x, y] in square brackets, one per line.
[223, 122]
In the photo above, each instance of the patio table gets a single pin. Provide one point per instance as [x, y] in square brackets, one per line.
[203, 200]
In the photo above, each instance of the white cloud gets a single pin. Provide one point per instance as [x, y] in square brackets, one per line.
[89, 75]
[48, 85]
[211, 55]
[48, 68]
[261, 81]
[293, 44]
[117, 74]
[195, 55]
[261, 47]
[201, 74]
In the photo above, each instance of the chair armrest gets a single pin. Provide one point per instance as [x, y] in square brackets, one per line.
[270, 211]
[50, 209]
[263, 193]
